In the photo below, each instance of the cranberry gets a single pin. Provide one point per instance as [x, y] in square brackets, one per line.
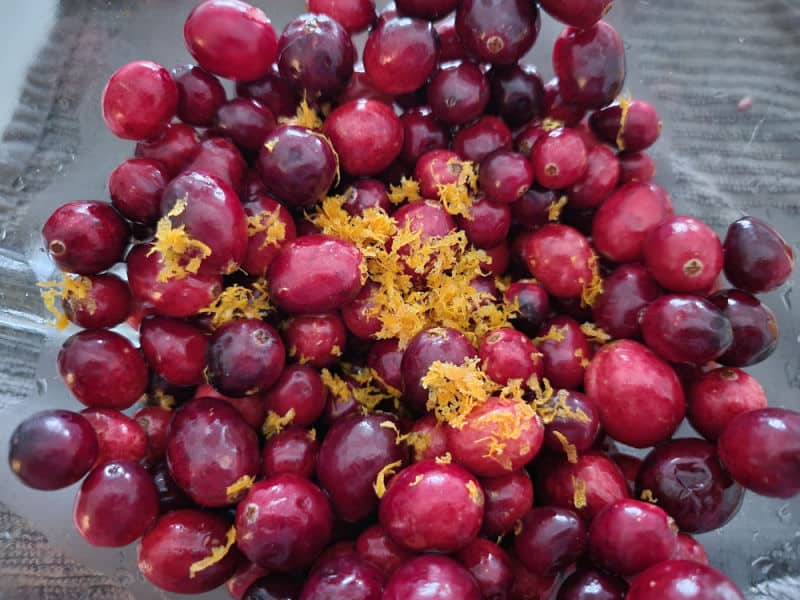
[757, 258]
[429, 439]
[252, 409]
[435, 168]
[347, 577]
[174, 148]
[174, 349]
[683, 254]
[220, 158]
[360, 87]
[626, 292]
[565, 352]
[628, 464]
[636, 166]
[231, 39]
[170, 496]
[549, 539]
[426, 9]
[600, 180]
[526, 138]
[631, 125]
[136, 186]
[560, 258]
[52, 449]
[559, 109]
[450, 47]
[139, 99]
[337, 407]
[200, 94]
[505, 176]
[421, 133]
[354, 15]
[116, 504]
[274, 587]
[317, 339]
[244, 121]
[169, 553]
[589, 64]
[578, 13]
[718, 396]
[479, 139]
[375, 546]
[364, 194]
[490, 566]
[293, 450]
[273, 91]
[683, 580]
[559, 159]
[755, 329]
[499, 260]
[581, 433]
[299, 388]
[154, 422]
[517, 93]
[533, 302]
[316, 54]
[85, 237]
[592, 584]
[498, 31]
[245, 576]
[625, 219]
[357, 316]
[509, 354]
[367, 135]
[283, 523]
[273, 227]
[426, 216]
[106, 303]
[458, 93]
[508, 497]
[119, 437]
[432, 577]
[528, 584]
[759, 449]
[400, 54]
[690, 549]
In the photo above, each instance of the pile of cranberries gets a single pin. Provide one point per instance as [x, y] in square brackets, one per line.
[301, 435]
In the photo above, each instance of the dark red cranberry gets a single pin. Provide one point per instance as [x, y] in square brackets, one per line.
[375, 546]
[354, 15]
[139, 99]
[560, 258]
[136, 186]
[582, 14]
[559, 159]
[274, 587]
[636, 166]
[550, 539]
[318, 339]
[107, 302]
[169, 552]
[631, 125]
[299, 388]
[273, 91]
[400, 54]
[85, 237]
[759, 449]
[499, 259]
[526, 138]
[565, 352]
[509, 354]
[488, 225]
[440, 343]
[592, 584]
[315, 273]
[367, 135]
[89, 360]
[421, 134]
[119, 437]
[528, 584]
[339, 406]
[360, 87]
[430, 10]
[432, 577]
[531, 211]
[533, 302]
[52, 449]
[450, 47]
[476, 141]
[252, 409]
[245, 576]
[508, 497]
[755, 329]
[357, 315]
[600, 180]
[347, 577]
[231, 39]
[286, 539]
[316, 54]
[581, 433]
[366, 193]
[690, 549]
[683, 580]
[174, 349]
[458, 93]
[385, 358]
[559, 109]
[498, 31]
[686, 329]
[589, 64]
[245, 121]
[174, 148]
[517, 93]
[626, 292]
[435, 168]
[200, 94]
[154, 421]
[270, 225]
[293, 450]
[220, 157]
[116, 504]
[505, 176]
[757, 257]
[170, 496]
[490, 566]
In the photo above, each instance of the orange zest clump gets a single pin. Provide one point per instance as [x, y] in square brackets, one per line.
[276, 423]
[592, 290]
[475, 493]
[407, 190]
[647, 496]
[444, 459]
[569, 449]
[234, 490]
[217, 554]
[579, 494]
[455, 390]
[269, 223]
[579, 355]
[312, 435]
[304, 117]
[239, 302]
[595, 334]
[457, 197]
[180, 253]
[74, 290]
[417, 480]
[164, 400]
[380, 480]
[624, 105]
[554, 333]
[555, 208]
[508, 424]
[551, 124]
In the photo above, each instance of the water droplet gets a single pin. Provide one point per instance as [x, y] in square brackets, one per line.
[18, 185]
[41, 386]
[784, 513]
[763, 564]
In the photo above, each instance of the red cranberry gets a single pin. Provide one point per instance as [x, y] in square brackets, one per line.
[490, 566]
[426, 216]
[476, 141]
[107, 303]
[525, 139]
[52, 449]
[625, 219]
[429, 439]
[565, 352]
[499, 260]
[759, 449]
[274, 587]
[435, 168]
[517, 93]
[354, 15]
[627, 291]
[450, 47]
[631, 125]
[411, 510]
[432, 577]
[299, 388]
[170, 496]
[755, 329]
[244, 121]
[690, 549]
[174, 349]
[243, 579]
[498, 31]
[592, 584]
[85, 237]
[273, 91]
[367, 135]
[508, 497]
[458, 93]
[169, 552]
[293, 450]
[220, 158]
[578, 13]
[139, 99]
[509, 354]
[119, 437]
[600, 180]
[275, 226]
[559, 159]
[628, 536]
[116, 504]
[136, 186]
[231, 39]
[430, 10]
[316, 54]
[357, 316]
[337, 407]
[560, 258]
[421, 133]
[636, 166]
[757, 258]
[154, 421]
[683, 580]
[528, 584]
[549, 539]
[533, 302]
[581, 433]
[683, 254]
[347, 577]
[289, 537]
[200, 94]
[718, 396]
[360, 87]
[559, 109]
[375, 546]
[505, 176]
[252, 409]
[364, 194]
[174, 148]
[589, 64]
[400, 54]
[318, 339]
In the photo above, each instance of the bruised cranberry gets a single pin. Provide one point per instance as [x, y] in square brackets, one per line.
[549, 539]
[631, 125]
[578, 13]
[116, 504]
[589, 64]
[498, 31]
[138, 101]
[220, 158]
[273, 91]
[490, 566]
[170, 496]
[759, 449]
[561, 259]
[636, 166]
[559, 159]
[599, 181]
[559, 109]
[592, 584]
[317, 339]
[347, 577]
[479, 139]
[683, 580]
[375, 546]
[135, 187]
[458, 93]
[718, 396]
[505, 176]
[168, 554]
[270, 225]
[283, 523]
[119, 437]
[626, 292]
[52, 449]
[508, 497]
[231, 39]
[690, 549]
[245, 121]
[107, 303]
[251, 408]
[517, 93]
[358, 316]
[509, 354]
[85, 237]
[432, 577]
[755, 329]
[174, 148]
[421, 133]
[174, 349]
[354, 15]
[299, 388]
[579, 429]
[757, 258]
[533, 302]
[154, 422]
[200, 94]
[624, 374]
[293, 450]
[565, 352]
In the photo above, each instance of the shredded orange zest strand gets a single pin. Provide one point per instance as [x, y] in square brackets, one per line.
[417, 480]
[380, 481]
[269, 223]
[336, 386]
[73, 290]
[444, 459]
[647, 496]
[234, 490]
[312, 434]
[418, 441]
[592, 290]
[555, 208]
[336, 351]
[518, 527]
[569, 449]
[454, 390]
[166, 401]
[506, 423]
[579, 354]
[475, 493]
[363, 388]
[392, 426]
[407, 190]
[579, 495]
[275, 423]
[551, 124]
[217, 554]
[624, 105]
[455, 199]
[304, 117]
[180, 253]
[594, 333]
[239, 302]
[554, 333]
[271, 143]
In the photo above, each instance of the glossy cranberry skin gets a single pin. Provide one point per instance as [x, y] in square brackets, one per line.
[283, 523]
[231, 39]
[434, 168]
[559, 109]
[315, 273]
[528, 584]
[119, 437]
[175, 349]
[636, 166]
[581, 433]
[400, 54]
[138, 101]
[634, 129]
[755, 329]
[533, 302]
[627, 217]
[52, 449]
[375, 546]
[170, 496]
[499, 31]
[686, 329]
[354, 15]
[427, 216]
[107, 303]
[550, 539]
[490, 566]
[244, 578]
[458, 93]
[360, 87]
[559, 159]
[346, 577]
[757, 257]
[759, 449]
[178, 540]
[426, 9]
[688, 481]
[260, 252]
[683, 580]
[298, 388]
[599, 181]
[431, 439]
[85, 237]
[421, 133]
[200, 94]
[578, 13]
[589, 64]
[317, 339]
[357, 316]
[432, 577]
[221, 158]
[244, 121]
[517, 93]
[683, 254]
[592, 584]
[174, 148]
[135, 187]
[559, 256]
[499, 260]
[690, 549]
[450, 47]
[154, 422]
[505, 176]
[508, 497]
[251, 408]
[367, 135]
[442, 344]
[509, 354]
[479, 139]
[564, 361]
[626, 292]
[292, 450]
[273, 91]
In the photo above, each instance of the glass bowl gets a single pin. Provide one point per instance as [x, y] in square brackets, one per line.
[722, 73]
